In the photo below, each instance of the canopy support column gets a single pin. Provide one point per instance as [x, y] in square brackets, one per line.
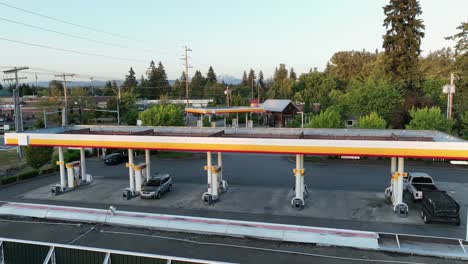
[298, 201]
[61, 163]
[83, 164]
[131, 173]
[399, 206]
[223, 183]
[148, 164]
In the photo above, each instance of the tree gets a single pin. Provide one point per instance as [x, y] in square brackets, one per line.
[346, 66]
[292, 74]
[197, 85]
[402, 40]
[55, 88]
[313, 87]
[163, 115]
[262, 86]
[372, 121]
[157, 80]
[281, 73]
[130, 80]
[211, 76]
[461, 68]
[251, 78]
[108, 89]
[464, 125]
[245, 81]
[429, 119]
[380, 96]
[438, 64]
[328, 119]
[37, 157]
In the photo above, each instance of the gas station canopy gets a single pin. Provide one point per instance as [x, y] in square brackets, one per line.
[226, 110]
[308, 141]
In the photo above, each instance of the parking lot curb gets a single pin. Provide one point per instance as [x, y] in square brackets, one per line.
[213, 226]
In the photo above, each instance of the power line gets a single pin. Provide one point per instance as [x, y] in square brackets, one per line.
[71, 51]
[71, 35]
[66, 22]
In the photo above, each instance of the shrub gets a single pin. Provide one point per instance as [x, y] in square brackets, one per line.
[37, 157]
[371, 121]
[8, 180]
[429, 119]
[68, 156]
[328, 119]
[28, 174]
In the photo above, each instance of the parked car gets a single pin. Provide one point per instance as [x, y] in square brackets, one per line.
[418, 183]
[156, 186]
[115, 158]
[438, 206]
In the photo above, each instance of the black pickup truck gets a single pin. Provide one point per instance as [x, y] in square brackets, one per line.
[438, 206]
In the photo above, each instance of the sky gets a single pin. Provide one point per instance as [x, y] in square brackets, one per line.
[231, 36]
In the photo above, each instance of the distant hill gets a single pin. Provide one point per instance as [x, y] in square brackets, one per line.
[97, 83]
[229, 79]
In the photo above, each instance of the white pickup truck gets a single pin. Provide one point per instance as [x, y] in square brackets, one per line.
[417, 183]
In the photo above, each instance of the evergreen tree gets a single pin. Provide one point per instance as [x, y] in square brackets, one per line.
[197, 85]
[292, 74]
[108, 89]
[281, 73]
[245, 81]
[157, 80]
[261, 79]
[262, 86]
[211, 76]
[130, 80]
[179, 86]
[402, 40]
[251, 78]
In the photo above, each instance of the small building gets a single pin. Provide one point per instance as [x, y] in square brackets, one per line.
[279, 112]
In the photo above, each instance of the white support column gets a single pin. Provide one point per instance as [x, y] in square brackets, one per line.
[131, 172]
[302, 176]
[246, 120]
[297, 201]
[220, 166]
[63, 176]
[83, 164]
[393, 165]
[148, 164]
[399, 181]
[209, 172]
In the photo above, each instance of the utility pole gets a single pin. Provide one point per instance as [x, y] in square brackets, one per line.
[92, 85]
[65, 103]
[187, 66]
[449, 89]
[18, 116]
[450, 96]
[118, 106]
[252, 88]
[228, 95]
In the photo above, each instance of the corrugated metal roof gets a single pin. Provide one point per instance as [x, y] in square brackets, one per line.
[276, 105]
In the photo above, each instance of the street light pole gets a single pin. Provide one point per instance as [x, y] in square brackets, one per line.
[118, 107]
[302, 119]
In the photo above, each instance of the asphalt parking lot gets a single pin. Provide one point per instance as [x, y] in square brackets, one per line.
[343, 194]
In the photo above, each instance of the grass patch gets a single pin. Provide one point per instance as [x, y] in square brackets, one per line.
[9, 158]
[174, 155]
[312, 159]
